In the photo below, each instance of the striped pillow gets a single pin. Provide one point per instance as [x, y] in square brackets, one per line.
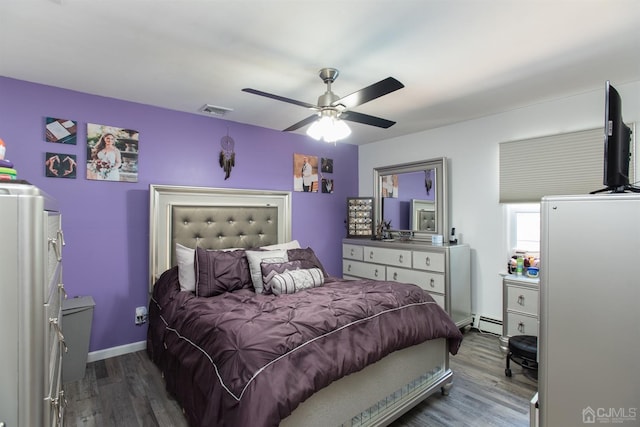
[270, 269]
[292, 281]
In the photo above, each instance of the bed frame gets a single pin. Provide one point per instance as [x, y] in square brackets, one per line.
[216, 218]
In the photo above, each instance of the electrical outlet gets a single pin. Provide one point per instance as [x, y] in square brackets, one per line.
[141, 315]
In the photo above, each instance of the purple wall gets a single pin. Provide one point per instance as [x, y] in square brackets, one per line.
[106, 224]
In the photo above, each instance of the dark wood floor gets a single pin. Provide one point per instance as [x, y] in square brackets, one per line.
[128, 391]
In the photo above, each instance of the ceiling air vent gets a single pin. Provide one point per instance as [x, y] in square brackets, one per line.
[214, 110]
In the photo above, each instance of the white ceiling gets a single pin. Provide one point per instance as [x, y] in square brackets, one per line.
[458, 59]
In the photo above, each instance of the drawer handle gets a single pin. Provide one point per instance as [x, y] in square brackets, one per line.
[62, 289]
[56, 326]
[395, 275]
[371, 255]
[353, 252]
[427, 261]
[375, 273]
[59, 403]
[432, 283]
[349, 267]
[521, 327]
[521, 299]
[400, 259]
[57, 248]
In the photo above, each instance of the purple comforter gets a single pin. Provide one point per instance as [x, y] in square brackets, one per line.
[242, 359]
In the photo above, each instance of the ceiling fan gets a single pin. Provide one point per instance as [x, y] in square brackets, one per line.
[334, 108]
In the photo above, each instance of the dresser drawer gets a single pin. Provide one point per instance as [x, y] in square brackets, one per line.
[432, 282]
[439, 299]
[53, 332]
[352, 252]
[54, 242]
[398, 257]
[522, 300]
[431, 261]
[521, 324]
[54, 287]
[364, 270]
[54, 401]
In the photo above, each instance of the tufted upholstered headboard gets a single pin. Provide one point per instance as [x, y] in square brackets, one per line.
[213, 218]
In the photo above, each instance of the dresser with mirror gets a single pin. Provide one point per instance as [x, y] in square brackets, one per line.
[413, 197]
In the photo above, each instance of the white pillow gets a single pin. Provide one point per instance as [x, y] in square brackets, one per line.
[186, 268]
[257, 257]
[289, 245]
[292, 281]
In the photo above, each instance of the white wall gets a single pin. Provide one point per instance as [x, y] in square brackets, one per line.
[472, 150]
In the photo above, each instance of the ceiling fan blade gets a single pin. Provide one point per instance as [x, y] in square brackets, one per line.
[366, 119]
[369, 93]
[280, 98]
[302, 123]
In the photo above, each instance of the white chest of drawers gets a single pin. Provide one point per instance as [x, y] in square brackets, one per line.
[30, 308]
[520, 307]
[443, 271]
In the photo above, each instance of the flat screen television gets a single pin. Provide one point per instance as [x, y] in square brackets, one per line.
[617, 145]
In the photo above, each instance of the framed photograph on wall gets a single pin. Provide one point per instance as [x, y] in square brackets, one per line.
[62, 131]
[390, 186]
[327, 185]
[326, 165]
[305, 173]
[112, 153]
[60, 165]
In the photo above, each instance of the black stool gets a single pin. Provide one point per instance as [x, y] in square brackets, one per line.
[523, 350]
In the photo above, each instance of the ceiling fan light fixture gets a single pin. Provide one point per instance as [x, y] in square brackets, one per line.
[329, 128]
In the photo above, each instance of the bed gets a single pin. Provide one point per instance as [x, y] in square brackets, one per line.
[267, 337]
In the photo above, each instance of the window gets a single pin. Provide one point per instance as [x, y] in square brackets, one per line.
[524, 227]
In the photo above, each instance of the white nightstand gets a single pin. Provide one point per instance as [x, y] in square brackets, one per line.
[520, 307]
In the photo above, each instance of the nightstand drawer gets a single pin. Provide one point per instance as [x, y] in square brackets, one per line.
[522, 300]
[431, 261]
[521, 324]
[364, 270]
[352, 252]
[398, 257]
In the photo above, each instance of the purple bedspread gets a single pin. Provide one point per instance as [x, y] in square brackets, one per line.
[241, 359]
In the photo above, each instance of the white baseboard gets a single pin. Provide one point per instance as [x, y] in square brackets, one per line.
[486, 324]
[116, 351]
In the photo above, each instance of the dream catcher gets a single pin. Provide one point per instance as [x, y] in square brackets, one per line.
[227, 155]
[428, 182]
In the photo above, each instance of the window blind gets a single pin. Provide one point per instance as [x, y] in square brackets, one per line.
[568, 163]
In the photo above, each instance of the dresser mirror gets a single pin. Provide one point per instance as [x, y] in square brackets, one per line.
[413, 198]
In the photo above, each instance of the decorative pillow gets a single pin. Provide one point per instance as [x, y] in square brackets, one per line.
[257, 257]
[289, 245]
[221, 271]
[308, 258]
[186, 267]
[293, 281]
[271, 269]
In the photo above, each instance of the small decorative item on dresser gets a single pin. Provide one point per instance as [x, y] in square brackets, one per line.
[360, 222]
[7, 173]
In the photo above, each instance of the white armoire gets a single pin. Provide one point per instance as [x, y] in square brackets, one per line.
[589, 342]
[30, 308]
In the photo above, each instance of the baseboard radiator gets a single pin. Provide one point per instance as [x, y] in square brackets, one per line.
[487, 324]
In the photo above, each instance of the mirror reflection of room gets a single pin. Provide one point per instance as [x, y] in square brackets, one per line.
[398, 193]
